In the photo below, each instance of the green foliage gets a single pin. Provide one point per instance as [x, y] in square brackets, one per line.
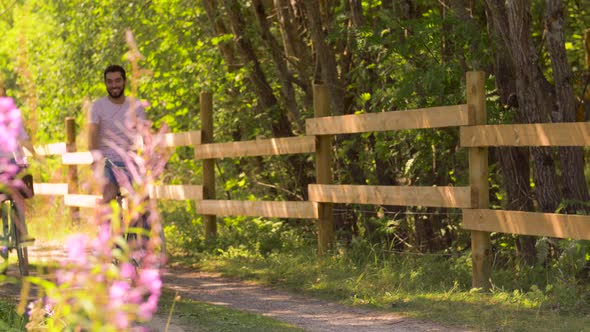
[10, 320]
[435, 287]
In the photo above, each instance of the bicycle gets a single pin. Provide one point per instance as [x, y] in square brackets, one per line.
[14, 234]
[140, 232]
[136, 233]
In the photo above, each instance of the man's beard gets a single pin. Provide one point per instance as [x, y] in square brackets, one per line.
[116, 95]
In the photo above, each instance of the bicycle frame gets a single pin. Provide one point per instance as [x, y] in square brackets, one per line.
[137, 234]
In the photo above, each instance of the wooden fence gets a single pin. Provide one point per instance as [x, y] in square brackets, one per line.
[475, 135]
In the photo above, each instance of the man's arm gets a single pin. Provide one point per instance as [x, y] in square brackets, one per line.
[93, 142]
[26, 143]
[92, 136]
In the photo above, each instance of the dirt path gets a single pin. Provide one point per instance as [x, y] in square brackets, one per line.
[305, 312]
[302, 311]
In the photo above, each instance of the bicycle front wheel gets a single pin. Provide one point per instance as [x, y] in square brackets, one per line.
[20, 234]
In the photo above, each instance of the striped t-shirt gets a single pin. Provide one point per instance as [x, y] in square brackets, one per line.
[116, 125]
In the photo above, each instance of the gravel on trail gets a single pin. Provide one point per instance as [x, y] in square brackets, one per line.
[308, 313]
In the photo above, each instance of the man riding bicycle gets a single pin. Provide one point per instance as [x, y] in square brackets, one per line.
[113, 132]
[113, 129]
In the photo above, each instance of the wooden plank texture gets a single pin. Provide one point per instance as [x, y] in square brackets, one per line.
[323, 169]
[450, 197]
[481, 258]
[77, 158]
[270, 209]
[50, 189]
[176, 192]
[262, 147]
[538, 134]
[528, 223]
[208, 165]
[189, 138]
[88, 201]
[433, 117]
[49, 149]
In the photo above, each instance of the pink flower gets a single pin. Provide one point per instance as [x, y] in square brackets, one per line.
[148, 308]
[121, 320]
[118, 293]
[10, 123]
[76, 248]
[127, 271]
[101, 242]
[151, 279]
[135, 296]
[64, 276]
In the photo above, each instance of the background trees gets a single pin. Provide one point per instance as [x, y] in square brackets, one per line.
[260, 58]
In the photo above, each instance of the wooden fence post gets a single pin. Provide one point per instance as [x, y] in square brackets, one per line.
[72, 169]
[210, 221]
[478, 179]
[325, 223]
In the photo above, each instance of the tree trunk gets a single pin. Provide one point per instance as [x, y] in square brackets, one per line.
[572, 158]
[293, 33]
[281, 127]
[219, 29]
[534, 96]
[268, 101]
[325, 55]
[295, 49]
[514, 162]
[287, 91]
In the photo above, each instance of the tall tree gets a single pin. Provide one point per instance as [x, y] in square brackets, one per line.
[536, 96]
[514, 162]
[571, 158]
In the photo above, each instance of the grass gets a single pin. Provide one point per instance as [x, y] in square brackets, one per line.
[201, 316]
[9, 320]
[407, 285]
[188, 314]
[59, 225]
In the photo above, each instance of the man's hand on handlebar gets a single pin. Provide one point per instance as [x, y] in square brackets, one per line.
[97, 159]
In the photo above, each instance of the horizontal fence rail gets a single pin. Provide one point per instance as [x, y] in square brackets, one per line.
[448, 197]
[189, 138]
[262, 147]
[270, 209]
[50, 189]
[49, 149]
[88, 201]
[520, 222]
[77, 158]
[528, 223]
[170, 140]
[433, 117]
[537, 134]
[176, 192]
[162, 192]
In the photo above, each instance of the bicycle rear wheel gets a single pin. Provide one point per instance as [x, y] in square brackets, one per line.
[5, 233]
[20, 234]
[139, 237]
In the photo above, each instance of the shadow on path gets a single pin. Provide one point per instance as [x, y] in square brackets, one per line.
[307, 313]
